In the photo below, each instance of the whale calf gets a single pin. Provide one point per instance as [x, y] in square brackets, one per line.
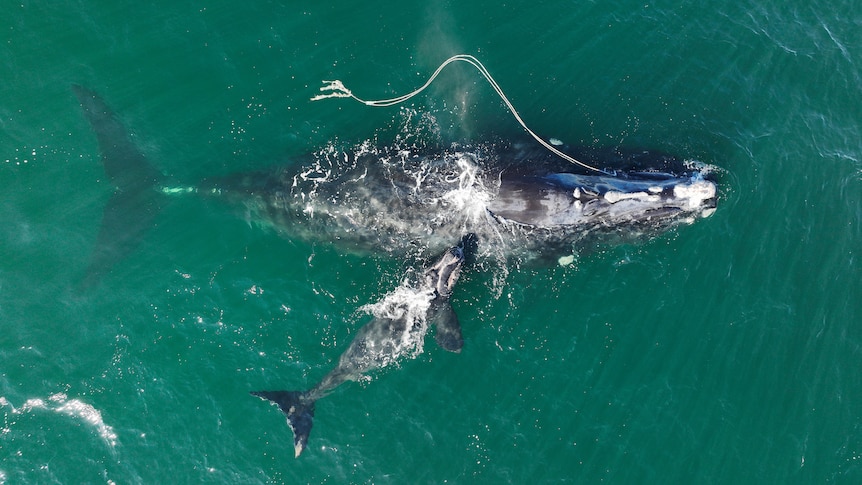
[387, 337]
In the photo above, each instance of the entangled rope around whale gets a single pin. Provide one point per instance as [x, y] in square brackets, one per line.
[339, 90]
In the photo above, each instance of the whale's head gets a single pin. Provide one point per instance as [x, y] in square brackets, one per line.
[642, 199]
[444, 273]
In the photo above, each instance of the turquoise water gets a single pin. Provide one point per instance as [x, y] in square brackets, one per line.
[725, 352]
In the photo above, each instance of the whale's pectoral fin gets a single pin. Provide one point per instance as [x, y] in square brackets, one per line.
[132, 208]
[448, 334]
[299, 411]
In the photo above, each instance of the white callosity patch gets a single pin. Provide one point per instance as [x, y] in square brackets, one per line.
[695, 193]
[613, 197]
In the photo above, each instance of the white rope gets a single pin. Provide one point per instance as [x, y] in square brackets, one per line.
[338, 90]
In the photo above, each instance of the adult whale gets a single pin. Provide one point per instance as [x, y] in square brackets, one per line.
[521, 200]
[396, 332]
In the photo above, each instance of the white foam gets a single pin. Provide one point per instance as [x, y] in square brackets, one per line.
[566, 260]
[470, 198]
[89, 414]
[703, 169]
[75, 408]
[410, 305]
[30, 404]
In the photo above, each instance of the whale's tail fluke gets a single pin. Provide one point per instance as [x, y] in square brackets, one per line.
[299, 409]
[132, 208]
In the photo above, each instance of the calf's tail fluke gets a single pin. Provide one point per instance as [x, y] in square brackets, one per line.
[299, 409]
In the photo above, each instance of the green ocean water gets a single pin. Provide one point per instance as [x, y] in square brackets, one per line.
[727, 351]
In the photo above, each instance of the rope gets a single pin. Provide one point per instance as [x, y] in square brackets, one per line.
[339, 90]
